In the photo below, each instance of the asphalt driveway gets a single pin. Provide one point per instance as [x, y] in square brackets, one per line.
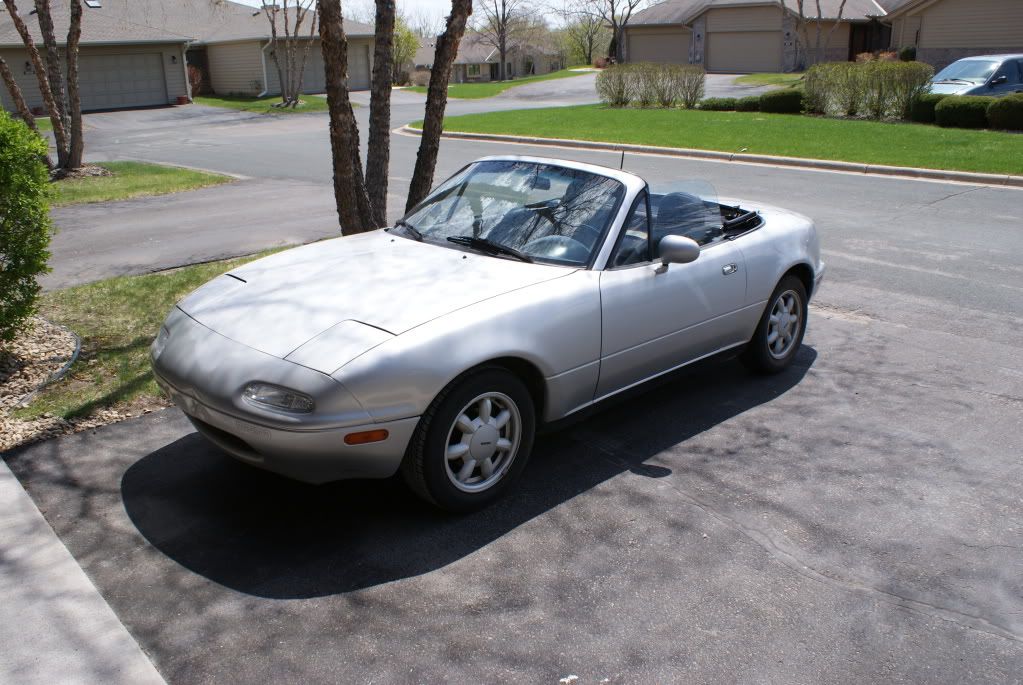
[856, 519]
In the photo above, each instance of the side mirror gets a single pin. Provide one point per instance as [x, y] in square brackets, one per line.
[999, 80]
[677, 249]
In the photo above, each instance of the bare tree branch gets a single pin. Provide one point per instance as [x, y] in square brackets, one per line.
[436, 101]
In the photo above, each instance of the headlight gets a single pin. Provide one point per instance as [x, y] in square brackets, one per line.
[276, 397]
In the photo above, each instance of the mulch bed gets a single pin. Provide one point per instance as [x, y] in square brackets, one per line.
[29, 363]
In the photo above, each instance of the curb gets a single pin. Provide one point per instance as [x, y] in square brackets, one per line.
[1006, 180]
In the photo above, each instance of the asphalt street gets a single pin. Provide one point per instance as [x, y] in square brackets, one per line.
[856, 519]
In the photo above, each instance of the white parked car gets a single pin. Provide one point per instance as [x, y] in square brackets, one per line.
[521, 291]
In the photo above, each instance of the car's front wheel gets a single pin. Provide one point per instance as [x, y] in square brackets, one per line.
[780, 331]
[473, 441]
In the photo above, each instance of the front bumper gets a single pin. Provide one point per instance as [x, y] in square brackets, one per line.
[202, 372]
[311, 456]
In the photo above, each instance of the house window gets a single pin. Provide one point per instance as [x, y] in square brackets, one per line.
[473, 70]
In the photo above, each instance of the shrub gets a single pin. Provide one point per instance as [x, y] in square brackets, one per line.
[848, 87]
[962, 111]
[600, 63]
[788, 101]
[908, 54]
[877, 88]
[817, 86]
[666, 85]
[748, 104]
[24, 223]
[614, 86]
[719, 104]
[645, 79]
[421, 77]
[1006, 113]
[691, 83]
[907, 82]
[922, 109]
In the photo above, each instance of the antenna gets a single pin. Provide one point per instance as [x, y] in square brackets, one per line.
[621, 165]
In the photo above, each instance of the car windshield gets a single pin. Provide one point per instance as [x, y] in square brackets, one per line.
[972, 70]
[528, 210]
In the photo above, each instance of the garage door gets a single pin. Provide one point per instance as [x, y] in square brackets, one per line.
[358, 66]
[739, 52]
[670, 47]
[111, 81]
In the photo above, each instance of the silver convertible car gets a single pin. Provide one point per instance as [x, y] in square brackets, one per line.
[521, 291]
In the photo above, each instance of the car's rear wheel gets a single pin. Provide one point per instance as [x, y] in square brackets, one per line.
[780, 331]
[472, 442]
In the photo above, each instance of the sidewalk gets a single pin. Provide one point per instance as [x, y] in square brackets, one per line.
[54, 625]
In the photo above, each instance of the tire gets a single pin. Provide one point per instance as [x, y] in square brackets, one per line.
[767, 357]
[460, 460]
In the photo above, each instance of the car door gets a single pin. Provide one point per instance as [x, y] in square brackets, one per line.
[1007, 79]
[655, 318]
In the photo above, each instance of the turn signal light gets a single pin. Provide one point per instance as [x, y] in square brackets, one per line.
[365, 437]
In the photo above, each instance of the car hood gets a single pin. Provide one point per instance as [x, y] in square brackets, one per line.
[378, 284]
[952, 88]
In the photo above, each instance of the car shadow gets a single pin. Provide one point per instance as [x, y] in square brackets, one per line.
[268, 536]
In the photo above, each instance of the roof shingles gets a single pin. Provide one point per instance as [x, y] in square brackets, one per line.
[159, 21]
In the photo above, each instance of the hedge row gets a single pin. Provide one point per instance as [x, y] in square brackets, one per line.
[649, 85]
[961, 111]
[786, 101]
[878, 89]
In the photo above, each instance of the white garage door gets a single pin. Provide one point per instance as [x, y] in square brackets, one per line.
[739, 52]
[664, 46]
[109, 81]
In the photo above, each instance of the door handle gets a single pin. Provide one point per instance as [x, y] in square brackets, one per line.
[729, 269]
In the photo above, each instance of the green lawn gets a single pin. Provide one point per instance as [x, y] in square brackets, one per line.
[117, 320]
[309, 103]
[490, 88]
[768, 79]
[132, 179]
[868, 142]
[44, 124]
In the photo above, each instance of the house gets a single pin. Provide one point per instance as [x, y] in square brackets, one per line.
[136, 53]
[739, 36]
[943, 31]
[478, 60]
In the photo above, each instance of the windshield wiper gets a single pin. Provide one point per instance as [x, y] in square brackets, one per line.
[488, 246]
[412, 230]
[954, 80]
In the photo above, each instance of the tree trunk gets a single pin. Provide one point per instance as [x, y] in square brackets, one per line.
[300, 74]
[18, 98]
[270, 10]
[378, 156]
[74, 34]
[59, 131]
[612, 46]
[353, 207]
[52, 58]
[436, 101]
